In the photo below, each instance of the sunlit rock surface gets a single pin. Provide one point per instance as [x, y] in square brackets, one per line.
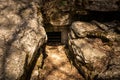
[94, 54]
[21, 35]
[60, 19]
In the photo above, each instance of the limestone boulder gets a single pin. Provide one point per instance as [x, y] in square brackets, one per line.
[95, 57]
[21, 36]
[81, 31]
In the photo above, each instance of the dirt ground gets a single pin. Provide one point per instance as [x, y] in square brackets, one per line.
[57, 66]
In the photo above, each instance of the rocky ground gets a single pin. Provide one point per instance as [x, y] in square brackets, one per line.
[57, 66]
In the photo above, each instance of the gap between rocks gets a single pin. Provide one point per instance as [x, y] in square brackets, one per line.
[56, 66]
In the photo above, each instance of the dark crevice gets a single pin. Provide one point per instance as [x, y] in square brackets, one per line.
[29, 68]
[98, 16]
[71, 57]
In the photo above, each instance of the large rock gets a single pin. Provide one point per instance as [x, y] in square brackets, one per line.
[57, 12]
[94, 51]
[99, 5]
[21, 35]
[81, 31]
[60, 19]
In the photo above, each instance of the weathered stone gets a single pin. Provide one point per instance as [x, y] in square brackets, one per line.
[94, 57]
[81, 31]
[21, 35]
[57, 12]
[100, 5]
[60, 19]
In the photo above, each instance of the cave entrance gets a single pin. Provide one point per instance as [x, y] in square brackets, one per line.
[54, 38]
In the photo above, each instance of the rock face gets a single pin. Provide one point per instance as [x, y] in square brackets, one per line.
[21, 36]
[57, 12]
[99, 5]
[61, 12]
[94, 51]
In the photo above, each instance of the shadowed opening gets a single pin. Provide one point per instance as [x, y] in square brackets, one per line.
[54, 37]
[99, 16]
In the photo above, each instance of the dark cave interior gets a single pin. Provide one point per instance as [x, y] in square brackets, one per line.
[99, 16]
[54, 37]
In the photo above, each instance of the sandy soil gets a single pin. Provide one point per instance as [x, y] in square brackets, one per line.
[57, 66]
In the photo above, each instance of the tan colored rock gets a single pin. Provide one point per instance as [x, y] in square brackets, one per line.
[21, 35]
[80, 28]
[93, 57]
[57, 12]
[60, 19]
